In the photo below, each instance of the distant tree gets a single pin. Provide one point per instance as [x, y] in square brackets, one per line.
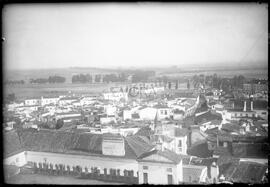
[142, 76]
[215, 81]
[39, 81]
[56, 79]
[10, 98]
[169, 85]
[97, 78]
[59, 124]
[176, 85]
[188, 84]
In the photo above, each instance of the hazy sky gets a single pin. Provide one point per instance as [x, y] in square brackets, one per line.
[106, 35]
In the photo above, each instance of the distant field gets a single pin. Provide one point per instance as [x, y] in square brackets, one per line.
[29, 90]
[38, 90]
[248, 73]
[45, 179]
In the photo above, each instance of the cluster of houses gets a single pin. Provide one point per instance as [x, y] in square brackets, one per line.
[163, 140]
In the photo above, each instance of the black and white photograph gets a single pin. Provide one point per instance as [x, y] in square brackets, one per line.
[135, 93]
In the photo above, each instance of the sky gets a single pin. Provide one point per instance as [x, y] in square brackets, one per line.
[38, 36]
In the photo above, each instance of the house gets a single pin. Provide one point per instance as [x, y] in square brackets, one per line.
[68, 114]
[191, 106]
[110, 110]
[67, 100]
[160, 167]
[115, 96]
[49, 100]
[9, 125]
[106, 119]
[86, 150]
[13, 106]
[171, 137]
[206, 117]
[243, 172]
[194, 174]
[32, 101]
[127, 114]
[87, 101]
[245, 147]
[163, 112]
[247, 109]
[181, 140]
[76, 103]
[178, 114]
[147, 113]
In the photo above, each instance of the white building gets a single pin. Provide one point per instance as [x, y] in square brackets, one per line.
[49, 100]
[115, 96]
[110, 110]
[107, 119]
[147, 113]
[68, 115]
[160, 167]
[67, 100]
[29, 102]
[127, 114]
[163, 112]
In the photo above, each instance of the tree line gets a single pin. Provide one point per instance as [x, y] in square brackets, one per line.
[50, 80]
[218, 82]
[13, 82]
[136, 76]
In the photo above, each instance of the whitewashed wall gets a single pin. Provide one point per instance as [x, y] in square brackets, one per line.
[85, 161]
[158, 174]
[17, 159]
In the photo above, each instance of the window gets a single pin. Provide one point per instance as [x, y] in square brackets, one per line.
[145, 167]
[17, 160]
[165, 112]
[263, 113]
[241, 114]
[180, 143]
[225, 144]
[169, 169]
[246, 115]
[145, 178]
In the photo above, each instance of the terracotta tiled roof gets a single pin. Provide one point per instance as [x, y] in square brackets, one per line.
[12, 144]
[244, 172]
[78, 143]
[178, 132]
[170, 155]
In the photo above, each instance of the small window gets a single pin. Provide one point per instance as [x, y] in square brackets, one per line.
[246, 115]
[264, 113]
[145, 167]
[169, 169]
[165, 112]
[180, 143]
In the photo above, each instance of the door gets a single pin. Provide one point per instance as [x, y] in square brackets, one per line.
[145, 178]
[170, 179]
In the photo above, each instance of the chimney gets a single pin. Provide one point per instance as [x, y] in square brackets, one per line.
[251, 105]
[245, 106]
